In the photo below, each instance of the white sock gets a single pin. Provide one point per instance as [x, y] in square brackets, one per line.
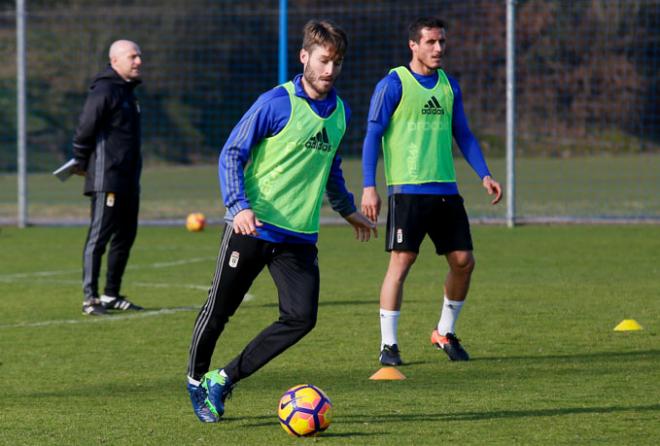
[449, 315]
[194, 382]
[389, 322]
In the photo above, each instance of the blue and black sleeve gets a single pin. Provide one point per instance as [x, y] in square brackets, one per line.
[266, 117]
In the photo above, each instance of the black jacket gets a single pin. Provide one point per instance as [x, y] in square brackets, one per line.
[107, 140]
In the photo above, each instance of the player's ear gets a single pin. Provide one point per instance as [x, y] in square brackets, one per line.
[304, 56]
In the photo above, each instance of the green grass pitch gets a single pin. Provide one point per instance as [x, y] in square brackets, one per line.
[547, 367]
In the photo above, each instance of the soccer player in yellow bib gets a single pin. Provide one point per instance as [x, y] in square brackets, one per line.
[415, 112]
[273, 170]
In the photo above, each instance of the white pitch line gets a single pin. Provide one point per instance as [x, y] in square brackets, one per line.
[98, 319]
[11, 277]
[140, 284]
[176, 262]
[120, 317]
[14, 276]
[170, 285]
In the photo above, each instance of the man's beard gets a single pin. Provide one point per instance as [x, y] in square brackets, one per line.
[311, 79]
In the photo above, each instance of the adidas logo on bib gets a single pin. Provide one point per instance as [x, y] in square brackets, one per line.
[319, 142]
[433, 107]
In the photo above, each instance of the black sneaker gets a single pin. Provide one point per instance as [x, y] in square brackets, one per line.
[451, 345]
[389, 355]
[119, 303]
[92, 307]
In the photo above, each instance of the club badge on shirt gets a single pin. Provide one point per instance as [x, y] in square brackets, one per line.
[110, 200]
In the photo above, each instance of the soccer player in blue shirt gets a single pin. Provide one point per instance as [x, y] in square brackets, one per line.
[415, 111]
[273, 171]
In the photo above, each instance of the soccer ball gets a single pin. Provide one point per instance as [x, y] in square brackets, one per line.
[304, 410]
[195, 222]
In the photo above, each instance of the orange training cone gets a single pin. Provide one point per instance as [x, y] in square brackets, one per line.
[388, 373]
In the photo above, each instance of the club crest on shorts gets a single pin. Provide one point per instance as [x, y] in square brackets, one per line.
[399, 235]
[110, 200]
[233, 259]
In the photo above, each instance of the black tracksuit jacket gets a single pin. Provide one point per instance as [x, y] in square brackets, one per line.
[107, 140]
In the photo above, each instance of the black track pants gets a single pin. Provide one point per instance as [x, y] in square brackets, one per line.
[115, 220]
[294, 269]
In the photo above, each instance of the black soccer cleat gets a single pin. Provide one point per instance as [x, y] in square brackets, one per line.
[451, 345]
[92, 307]
[390, 355]
[119, 303]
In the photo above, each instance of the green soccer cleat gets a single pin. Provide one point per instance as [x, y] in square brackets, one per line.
[218, 387]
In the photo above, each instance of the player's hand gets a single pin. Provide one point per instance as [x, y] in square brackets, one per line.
[493, 187]
[362, 225]
[371, 203]
[246, 223]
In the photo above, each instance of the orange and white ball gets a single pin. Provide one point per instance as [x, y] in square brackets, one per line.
[195, 222]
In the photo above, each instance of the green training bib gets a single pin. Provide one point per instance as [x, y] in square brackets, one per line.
[417, 143]
[287, 176]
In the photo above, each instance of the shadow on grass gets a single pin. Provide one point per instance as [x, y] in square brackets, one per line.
[608, 355]
[496, 414]
[326, 303]
[328, 433]
[268, 422]
[151, 386]
[411, 363]
[351, 434]
[458, 416]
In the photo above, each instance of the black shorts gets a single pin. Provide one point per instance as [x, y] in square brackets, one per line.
[410, 217]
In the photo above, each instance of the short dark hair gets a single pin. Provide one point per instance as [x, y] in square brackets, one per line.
[325, 33]
[415, 28]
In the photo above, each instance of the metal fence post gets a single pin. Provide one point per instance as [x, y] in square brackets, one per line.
[20, 109]
[510, 113]
[282, 47]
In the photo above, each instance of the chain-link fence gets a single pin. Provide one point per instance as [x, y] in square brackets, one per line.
[587, 88]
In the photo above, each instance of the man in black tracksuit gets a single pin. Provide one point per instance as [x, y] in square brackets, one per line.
[106, 147]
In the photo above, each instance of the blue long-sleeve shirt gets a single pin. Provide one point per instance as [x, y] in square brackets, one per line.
[384, 102]
[265, 118]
